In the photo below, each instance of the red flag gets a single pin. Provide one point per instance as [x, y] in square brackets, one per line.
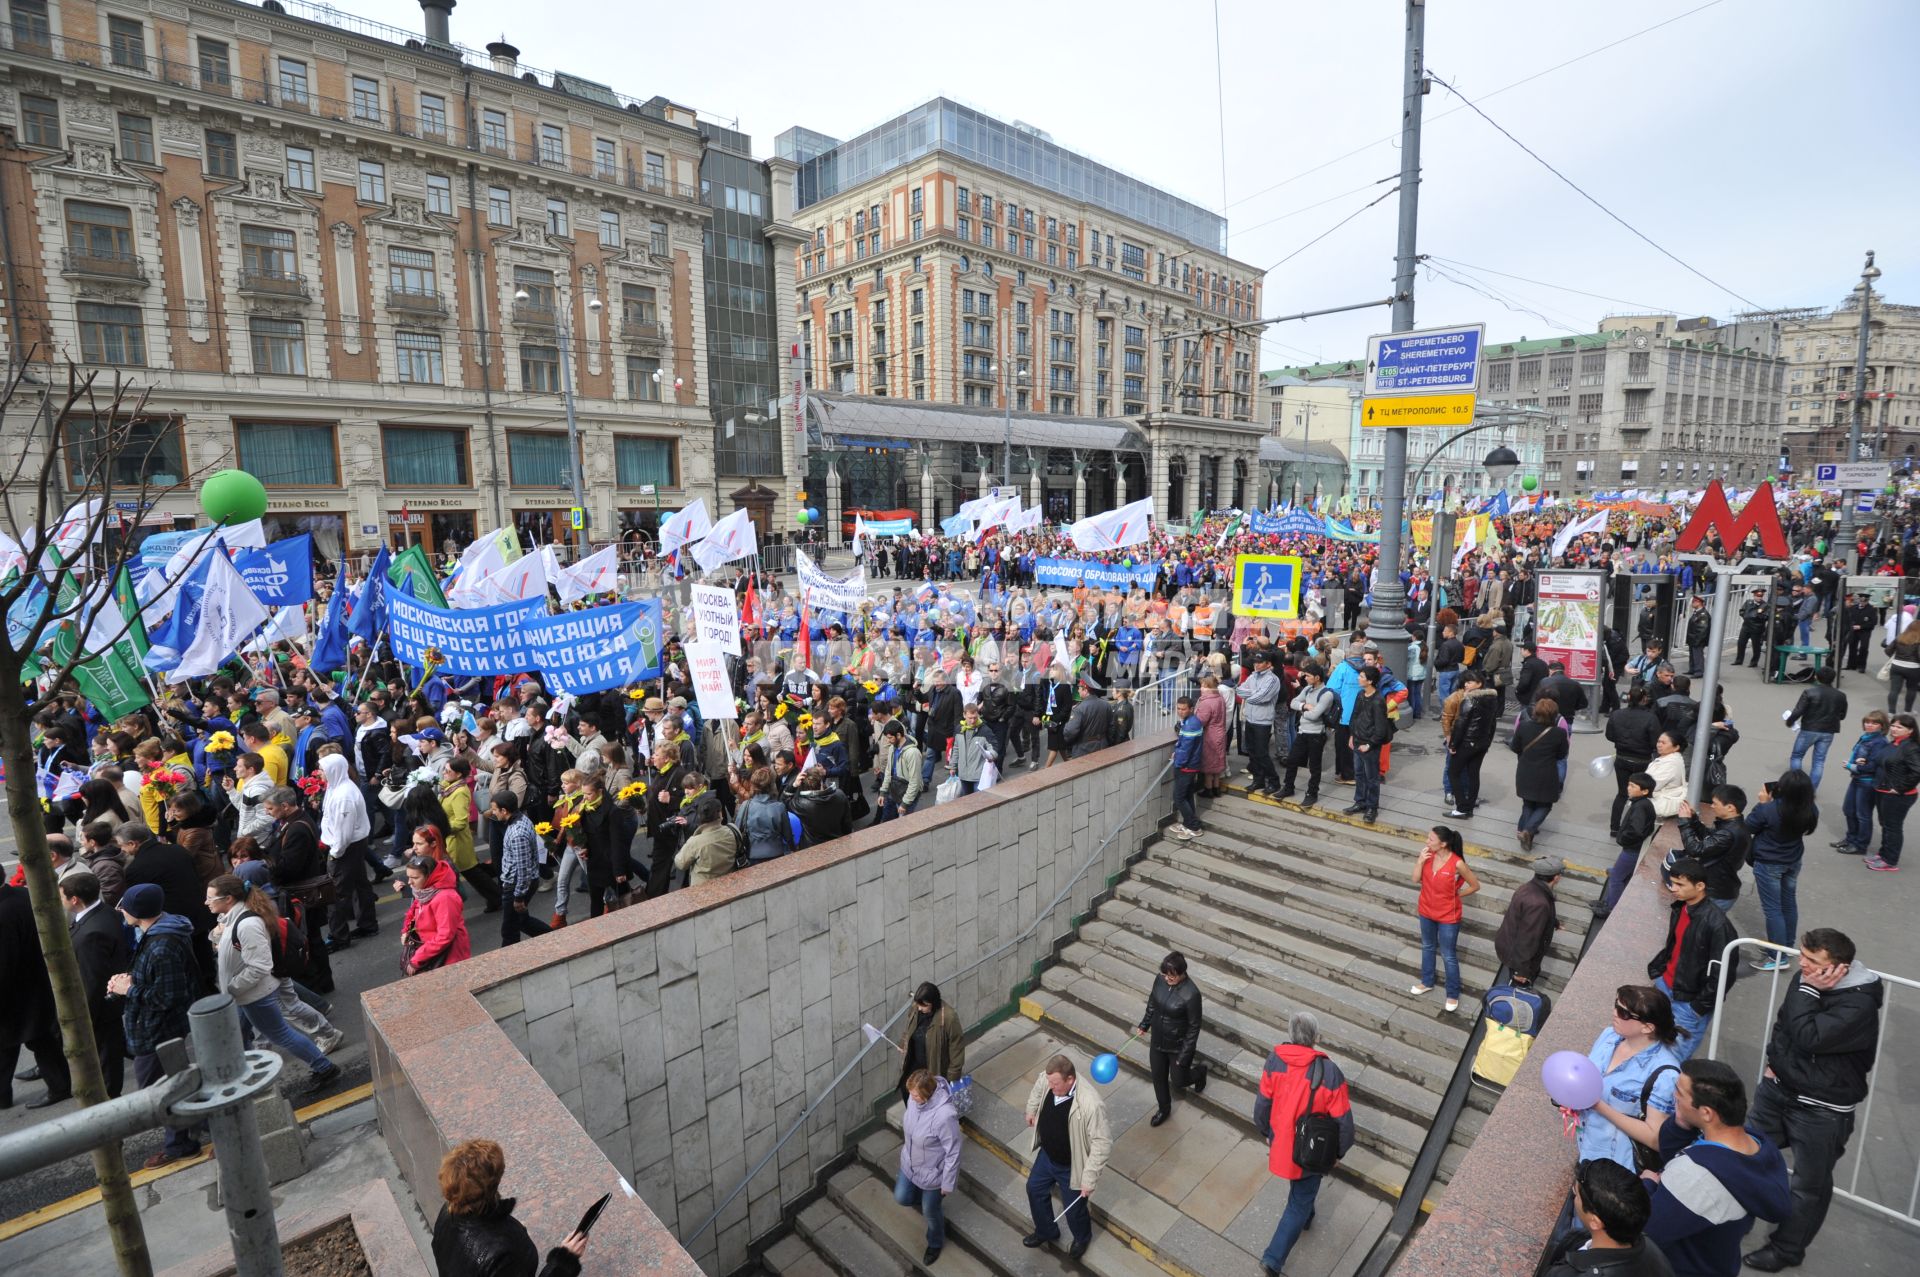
[750, 607]
[803, 650]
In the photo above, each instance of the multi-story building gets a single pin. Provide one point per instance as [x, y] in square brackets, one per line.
[366, 265]
[1330, 393]
[1310, 425]
[959, 260]
[1822, 349]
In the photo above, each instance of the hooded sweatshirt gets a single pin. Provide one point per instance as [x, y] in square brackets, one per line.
[930, 1144]
[343, 811]
[437, 918]
[1708, 1196]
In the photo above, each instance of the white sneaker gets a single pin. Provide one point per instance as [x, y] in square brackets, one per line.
[330, 1041]
[1419, 989]
[1179, 831]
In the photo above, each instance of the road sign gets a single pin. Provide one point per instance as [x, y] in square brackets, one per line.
[1856, 474]
[1418, 410]
[578, 517]
[1431, 361]
[1863, 504]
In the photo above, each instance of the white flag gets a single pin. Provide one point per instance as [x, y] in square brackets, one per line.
[70, 534]
[859, 534]
[287, 623]
[1466, 543]
[1116, 529]
[995, 514]
[1577, 529]
[596, 574]
[1024, 519]
[228, 614]
[524, 578]
[731, 538]
[684, 527]
[479, 561]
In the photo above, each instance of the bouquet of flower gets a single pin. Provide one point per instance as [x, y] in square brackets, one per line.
[557, 737]
[165, 782]
[220, 749]
[636, 693]
[312, 786]
[633, 793]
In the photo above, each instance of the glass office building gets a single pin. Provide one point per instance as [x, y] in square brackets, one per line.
[828, 167]
[742, 339]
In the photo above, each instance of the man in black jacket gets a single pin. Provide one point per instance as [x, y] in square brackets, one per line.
[1532, 672]
[1858, 621]
[171, 869]
[1687, 967]
[1612, 1206]
[1369, 729]
[1722, 849]
[1699, 631]
[1560, 688]
[1473, 728]
[1173, 1016]
[100, 948]
[1448, 652]
[1825, 1039]
[942, 721]
[292, 852]
[1091, 722]
[1816, 717]
[1527, 927]
[1753, 630]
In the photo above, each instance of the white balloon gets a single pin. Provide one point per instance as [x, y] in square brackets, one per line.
[1601, 767]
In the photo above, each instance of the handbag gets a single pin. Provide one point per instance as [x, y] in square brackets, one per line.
[896, 790]
[410, 943]
[1644, 1158]
[960, 1095]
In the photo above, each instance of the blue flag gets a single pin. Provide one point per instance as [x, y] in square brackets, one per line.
[370, 610]
[1497, 504]
[280, 574]
[330, 644]
[166, 643]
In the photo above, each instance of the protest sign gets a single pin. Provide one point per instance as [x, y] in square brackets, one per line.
[716, 616]
[707, 667]
[822, 591]
[1099, 576]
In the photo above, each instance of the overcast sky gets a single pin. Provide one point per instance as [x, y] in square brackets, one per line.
[1766, 143]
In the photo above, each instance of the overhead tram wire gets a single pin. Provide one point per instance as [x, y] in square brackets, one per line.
[1441, 115]
[1558, 288]
[1581, 191]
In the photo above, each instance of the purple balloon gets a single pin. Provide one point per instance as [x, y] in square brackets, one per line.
[1572, 1080]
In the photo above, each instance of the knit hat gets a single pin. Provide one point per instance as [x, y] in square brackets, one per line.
[143, 901]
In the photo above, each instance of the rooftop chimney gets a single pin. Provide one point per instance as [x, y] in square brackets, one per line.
[436, 12]
[506, 58]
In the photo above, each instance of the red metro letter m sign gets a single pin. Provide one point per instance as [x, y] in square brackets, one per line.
[1714, 515]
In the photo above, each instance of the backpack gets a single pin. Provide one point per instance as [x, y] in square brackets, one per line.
[288, 943]
[740, 846]
[1316, 1136]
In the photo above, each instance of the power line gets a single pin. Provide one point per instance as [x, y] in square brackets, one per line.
[1220, 99]
[1441, 115]
[1331, 229]
[1558, 288]
[1580, 191]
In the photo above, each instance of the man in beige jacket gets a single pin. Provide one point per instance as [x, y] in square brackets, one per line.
[1071, 1144]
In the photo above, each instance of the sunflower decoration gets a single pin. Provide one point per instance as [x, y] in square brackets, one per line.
[544, 828]
[569, 820]
[636, 693]
[637, 790]
[780, 710]
[872, 686]
[220, 742]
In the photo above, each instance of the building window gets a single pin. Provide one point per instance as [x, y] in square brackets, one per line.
[31, 29]
[142, 451]
[609, 228]
[267, 252]
[136, 139]
[425, 456]
[964, 226]
[373, 182]
[366, 98]
[637, 304]
[293, 82]
[537, 284]
[283, 454]
[493, 131]
[433, 116]
[279, 346]
[919, 228]
[112, 335]
[216, 67]
[540, 369]
[127, 42]
[100, 232]
[657, 239]
[300, 174]
[537, 459]
[557, 224]
[656, 170]
[439, 195]
[499, 206]
[40, 122]
[553, 144]
[638, 461]
[641, 372]
[410, 270]
[606, 163]
[223, 154]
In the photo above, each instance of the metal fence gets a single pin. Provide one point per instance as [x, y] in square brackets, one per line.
[1864, 1128]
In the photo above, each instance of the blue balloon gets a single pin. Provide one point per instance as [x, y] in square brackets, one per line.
[1105, 1068]
[813, 514]
[793, 823]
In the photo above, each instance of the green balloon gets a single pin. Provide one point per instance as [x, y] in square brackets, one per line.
[233, 496]
[799, 516]
[1529, 483]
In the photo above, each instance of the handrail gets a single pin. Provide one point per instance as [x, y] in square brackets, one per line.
[860, 1055]
[1727, 960]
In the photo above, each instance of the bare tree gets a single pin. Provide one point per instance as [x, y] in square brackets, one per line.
[92, 445]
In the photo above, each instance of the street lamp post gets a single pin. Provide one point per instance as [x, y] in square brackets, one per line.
[1018, 373]
[1844, 528]
[574, 459]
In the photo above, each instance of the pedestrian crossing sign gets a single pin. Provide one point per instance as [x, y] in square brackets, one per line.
[1267, 585]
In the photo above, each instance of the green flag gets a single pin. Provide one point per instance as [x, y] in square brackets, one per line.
[1194, 524]
[412, 568]
[110, 684]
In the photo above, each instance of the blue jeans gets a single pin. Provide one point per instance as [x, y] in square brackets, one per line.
[1366, 778]
[1820, 742]
[1858, 806]
[1778, 899]
[1184, 783]
[1041, 1181]
[1532, 816]
[263, 1017]
[563, 879]
[1692, 1025]
[1414, 689]
[1443, 682]
[1444, 936]
[931, 1204]
[1293, 1220]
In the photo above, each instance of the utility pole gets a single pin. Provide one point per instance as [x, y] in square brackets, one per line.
[1844, 529]
[1387, 619]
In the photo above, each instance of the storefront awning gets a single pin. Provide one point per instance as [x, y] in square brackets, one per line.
[866, 418]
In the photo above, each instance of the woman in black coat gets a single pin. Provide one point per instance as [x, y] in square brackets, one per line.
[604, 844]
[1541, 743]
[476, 1234]
[1633, 729]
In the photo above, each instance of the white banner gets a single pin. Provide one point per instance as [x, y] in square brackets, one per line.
[707, 667]
[716, 616]
[823, 591]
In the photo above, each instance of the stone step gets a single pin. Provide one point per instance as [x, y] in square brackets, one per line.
[1389, 1139]
[841, 1243]
[1276, 868]
[793, 1256]
[985, 1219]
[898, 1230]
[1392, 863]
[1238, 1045]
[1130, 960]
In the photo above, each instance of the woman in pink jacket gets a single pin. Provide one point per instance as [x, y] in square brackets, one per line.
[1211, 710]
[434, 932]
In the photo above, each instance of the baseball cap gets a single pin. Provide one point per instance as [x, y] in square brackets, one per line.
[429, 733]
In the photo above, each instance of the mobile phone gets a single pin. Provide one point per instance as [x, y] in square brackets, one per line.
[592, 1216]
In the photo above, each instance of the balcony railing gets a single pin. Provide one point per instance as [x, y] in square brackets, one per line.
[640, 330]
[103, 265]
[273, 283]
[416, 301]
